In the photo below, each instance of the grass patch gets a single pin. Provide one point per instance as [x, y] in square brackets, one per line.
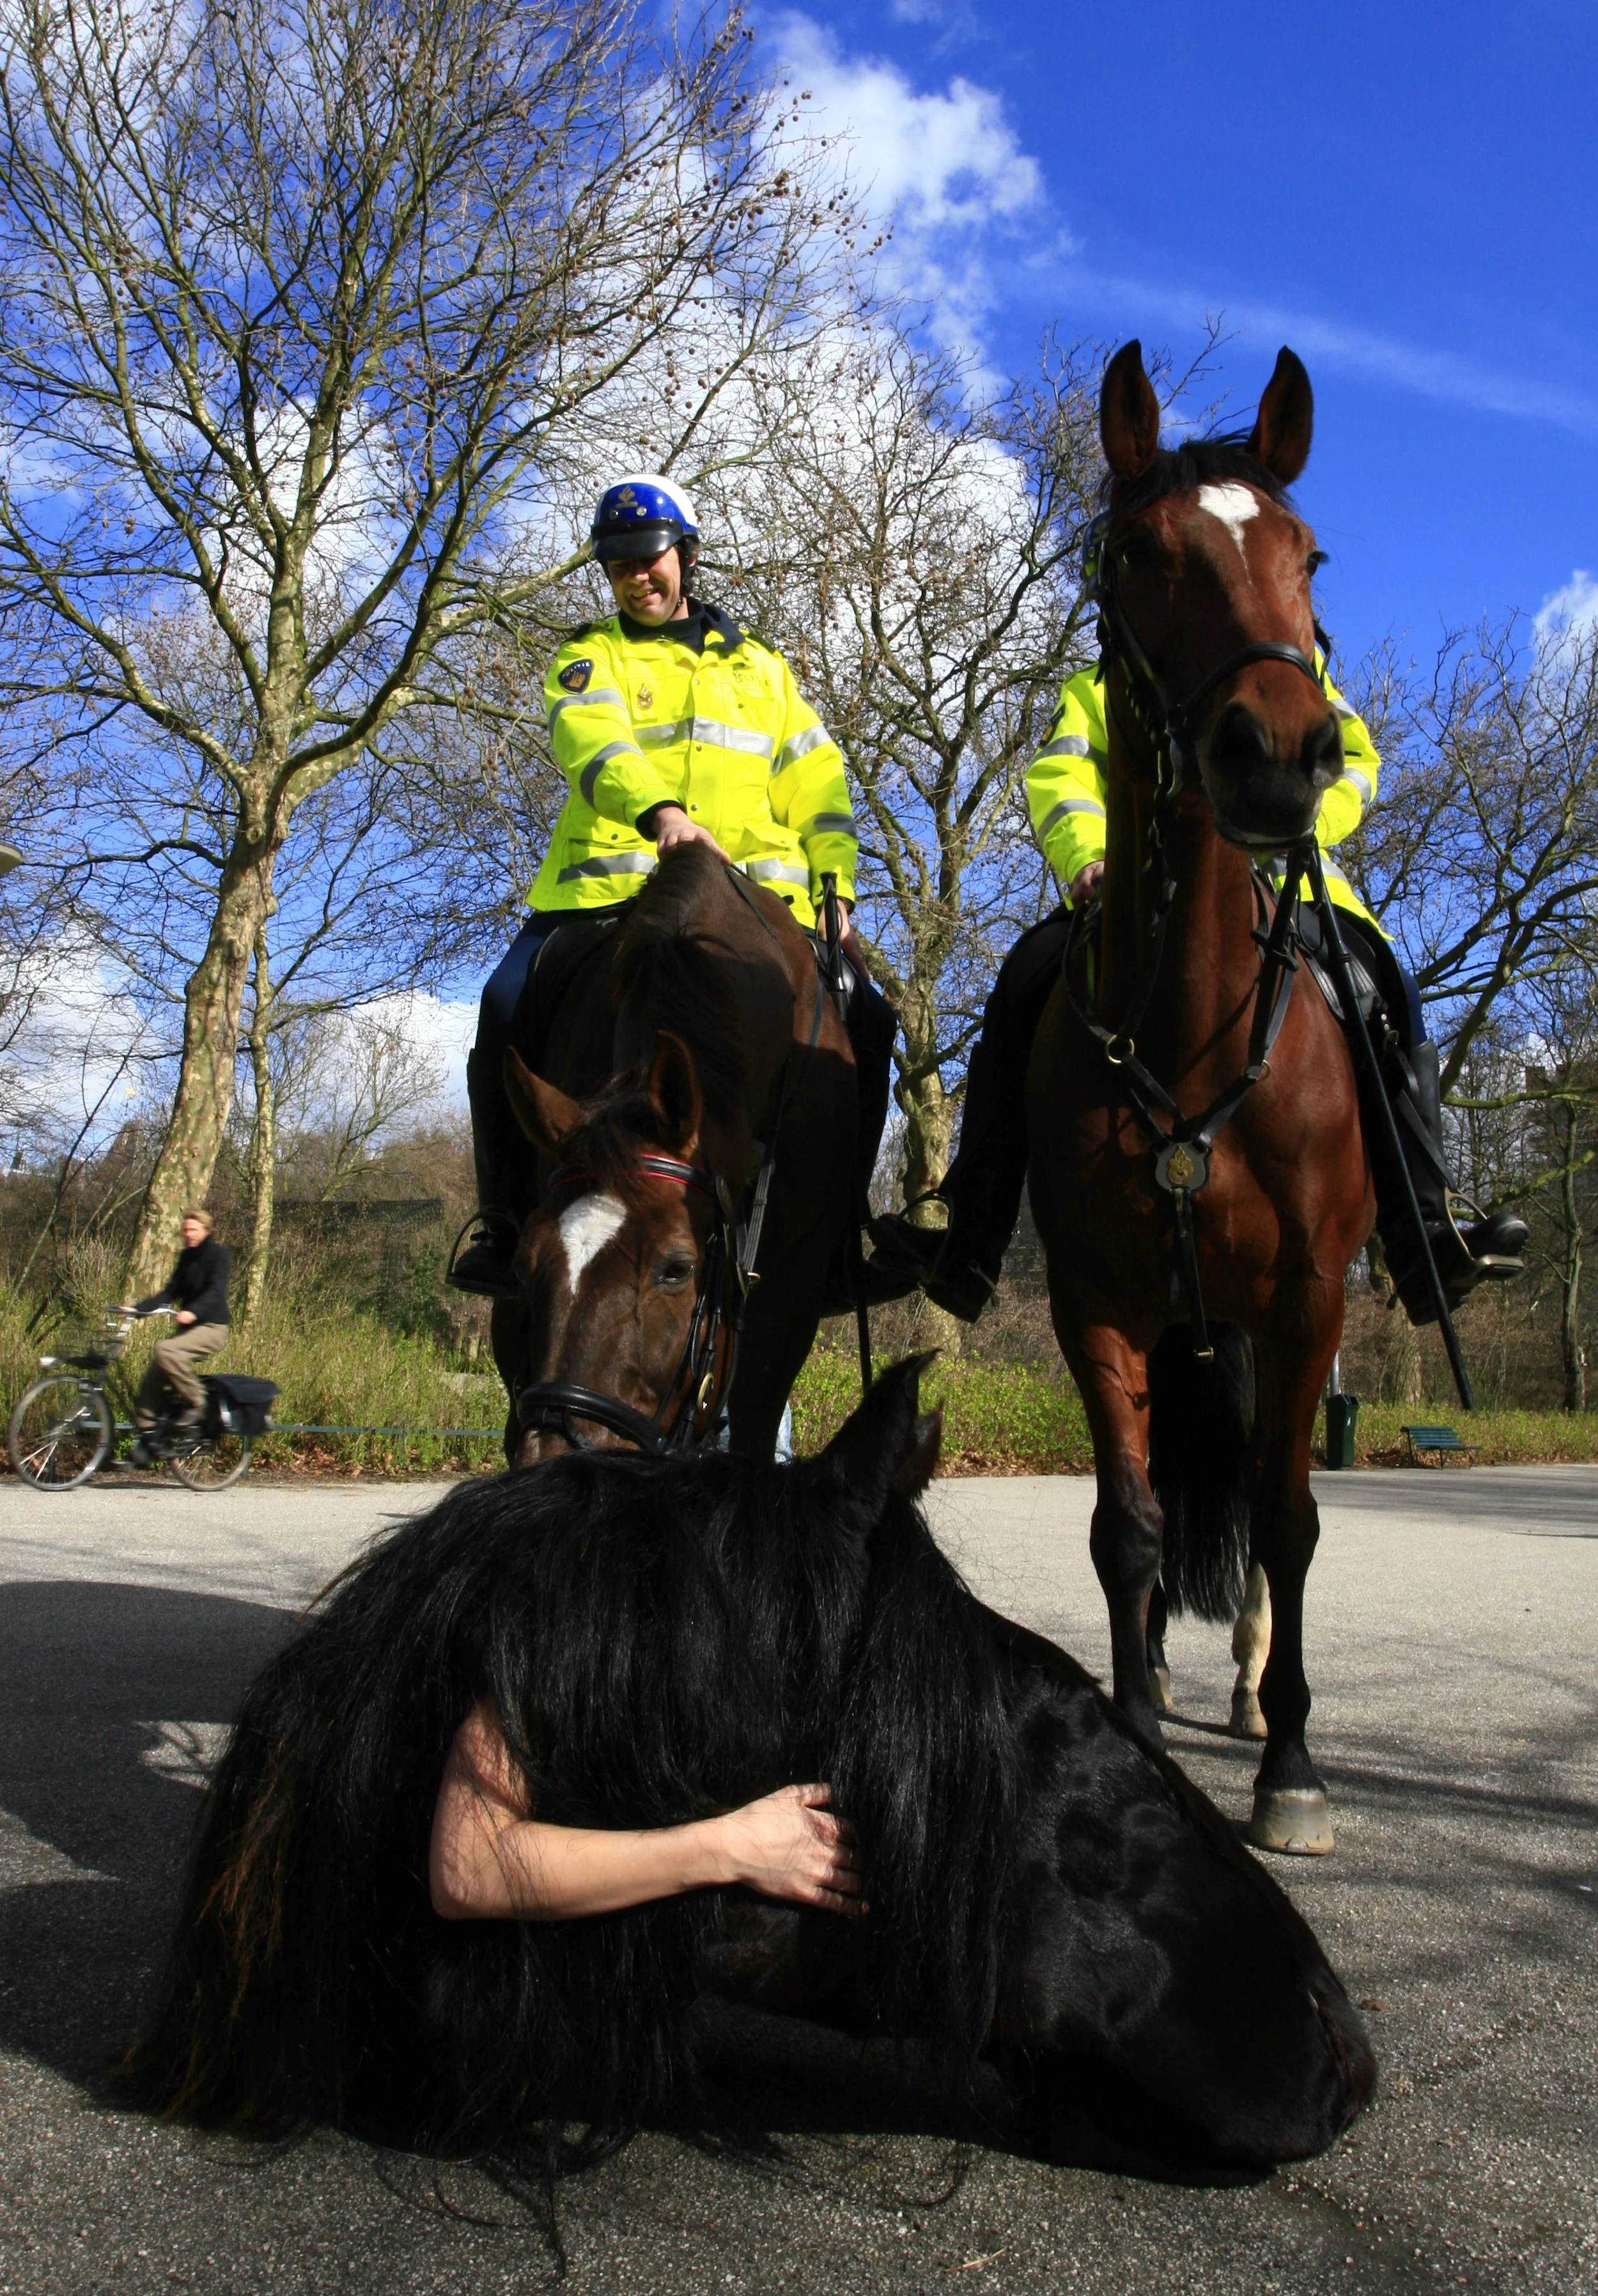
[337, 1367]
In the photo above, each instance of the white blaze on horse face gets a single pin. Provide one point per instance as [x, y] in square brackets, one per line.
[1235, 505]
[585, 1227]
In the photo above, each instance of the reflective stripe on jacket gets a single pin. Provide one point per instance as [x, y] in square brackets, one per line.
[636, 722]
[1065, 787]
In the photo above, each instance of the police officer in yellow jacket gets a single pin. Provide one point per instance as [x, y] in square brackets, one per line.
[672, 725]
[959, 1265]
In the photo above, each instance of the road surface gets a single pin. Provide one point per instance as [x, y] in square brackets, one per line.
[1453, 1618]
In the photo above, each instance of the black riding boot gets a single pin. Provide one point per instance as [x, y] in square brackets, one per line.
[958, 1266]
[500, 1156]
[1490, 1250]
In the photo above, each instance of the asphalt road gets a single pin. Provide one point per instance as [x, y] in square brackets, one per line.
[1452, 1620]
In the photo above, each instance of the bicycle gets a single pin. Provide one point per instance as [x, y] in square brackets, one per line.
[63, 1429]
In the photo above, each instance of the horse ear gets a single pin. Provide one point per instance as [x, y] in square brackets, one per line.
[1281, 431]
[886, 1444]
[1128, 415]
[675, 1094]
[543, 1111]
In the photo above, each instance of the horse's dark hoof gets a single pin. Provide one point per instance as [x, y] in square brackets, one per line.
[1296, 1821]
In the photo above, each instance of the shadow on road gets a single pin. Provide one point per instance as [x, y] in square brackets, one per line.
[98, 1813]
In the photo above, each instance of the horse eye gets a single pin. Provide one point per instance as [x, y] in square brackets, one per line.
[1317, 559]
[672, 1274]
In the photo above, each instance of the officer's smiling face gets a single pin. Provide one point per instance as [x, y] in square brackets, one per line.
[649, 589]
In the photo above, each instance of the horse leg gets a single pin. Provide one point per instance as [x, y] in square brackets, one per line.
[1291, 1810]
[1128, 1526]
[1251, 1645]
[1160, 1673]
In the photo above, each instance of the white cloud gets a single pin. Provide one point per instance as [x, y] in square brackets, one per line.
[1567, 612]
[443, 1032]
[944, 169]
[932, 161]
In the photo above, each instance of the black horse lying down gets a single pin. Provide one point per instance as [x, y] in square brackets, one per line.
[663, 1642]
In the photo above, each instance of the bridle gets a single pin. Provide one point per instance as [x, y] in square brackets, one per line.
[1181, 1145]
[689, 1413]
[689, 1406]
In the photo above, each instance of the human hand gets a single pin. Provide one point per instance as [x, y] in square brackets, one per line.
[1085, 882]
[672, 826]
[849, 945]
[791, 1845]
[185, 1316]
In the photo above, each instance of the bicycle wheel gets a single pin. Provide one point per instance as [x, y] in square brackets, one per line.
[59, 1432]
[212, 1464]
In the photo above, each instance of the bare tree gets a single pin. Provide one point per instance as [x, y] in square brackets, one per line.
[913, 553]
[1481, 854]
[308, 313]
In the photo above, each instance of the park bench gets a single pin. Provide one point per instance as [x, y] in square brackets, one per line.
[1440, 1439]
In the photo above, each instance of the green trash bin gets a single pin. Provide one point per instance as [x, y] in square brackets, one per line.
[1342, 1411]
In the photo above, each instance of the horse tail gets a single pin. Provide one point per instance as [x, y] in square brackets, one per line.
[1200, 1418]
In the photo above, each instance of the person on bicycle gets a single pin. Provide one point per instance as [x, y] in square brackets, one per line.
[958, 1266]
[197, 1288]
[672, 725]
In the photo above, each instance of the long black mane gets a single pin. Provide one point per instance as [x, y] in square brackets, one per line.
[660, 1642]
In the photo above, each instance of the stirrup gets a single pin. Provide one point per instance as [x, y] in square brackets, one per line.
[484, 1268]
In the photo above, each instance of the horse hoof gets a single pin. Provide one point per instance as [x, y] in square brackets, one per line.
[1247, 1719]
[1293, 1820]
[1160, 1688]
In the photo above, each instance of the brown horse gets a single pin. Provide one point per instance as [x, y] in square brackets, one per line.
[695, 1130]
[1221, 743]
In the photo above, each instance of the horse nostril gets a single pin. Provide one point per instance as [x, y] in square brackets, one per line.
[1324, 751]
[1240, 745]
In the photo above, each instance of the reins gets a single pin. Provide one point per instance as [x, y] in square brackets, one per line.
[1181, 1152]
[1182, 1146]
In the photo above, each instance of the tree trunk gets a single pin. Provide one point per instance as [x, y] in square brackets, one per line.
[212, 1005]
[929, 1125]
[264, 1148]
[1573, 1355]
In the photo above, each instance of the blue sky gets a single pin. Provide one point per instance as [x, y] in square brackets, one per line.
[1407, 194]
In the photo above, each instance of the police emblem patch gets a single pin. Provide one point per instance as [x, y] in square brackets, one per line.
[646, 698]
[575, 676]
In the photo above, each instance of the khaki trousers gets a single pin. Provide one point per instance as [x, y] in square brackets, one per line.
[171, 1371]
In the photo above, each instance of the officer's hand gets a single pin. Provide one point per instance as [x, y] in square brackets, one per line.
[671, 827]
[1086, 881]
[850, 946]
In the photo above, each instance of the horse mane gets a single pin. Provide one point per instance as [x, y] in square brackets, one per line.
[1195, 463]
[670, 972]
[661, 1643]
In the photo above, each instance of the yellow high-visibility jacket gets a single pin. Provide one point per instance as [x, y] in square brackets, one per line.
[1065, 787]
[635, 721]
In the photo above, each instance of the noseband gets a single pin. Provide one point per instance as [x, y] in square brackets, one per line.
[688, 1407]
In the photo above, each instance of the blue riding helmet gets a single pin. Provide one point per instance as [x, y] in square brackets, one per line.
[640, 516]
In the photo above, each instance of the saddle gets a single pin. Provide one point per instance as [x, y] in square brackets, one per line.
[1312, 941]
[561, 956]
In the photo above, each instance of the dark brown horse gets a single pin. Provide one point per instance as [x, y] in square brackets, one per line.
[694, 1053]
[1221, 743]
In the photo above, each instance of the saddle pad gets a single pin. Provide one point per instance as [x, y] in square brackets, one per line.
[561, 956]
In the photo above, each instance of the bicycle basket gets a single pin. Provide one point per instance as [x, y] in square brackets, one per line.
[244, 1404]
[85, 1346]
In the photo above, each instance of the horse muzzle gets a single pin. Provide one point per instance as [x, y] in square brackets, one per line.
[1263, 800]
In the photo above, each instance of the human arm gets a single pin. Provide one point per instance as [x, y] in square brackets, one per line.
[1065, 786]
[809, 790]
[592, 734]
[490, 1859]
[1344, 803]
